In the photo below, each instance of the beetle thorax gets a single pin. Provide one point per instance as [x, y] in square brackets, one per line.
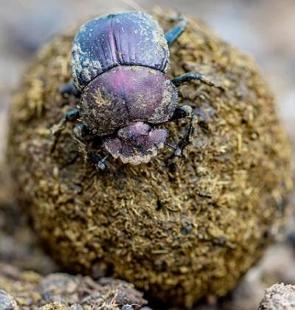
[126, 94]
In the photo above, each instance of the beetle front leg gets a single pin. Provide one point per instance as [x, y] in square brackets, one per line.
[186, 139]
[194, 76]
[175, 32]
[182, 112]
[81, 131]
[183, 143]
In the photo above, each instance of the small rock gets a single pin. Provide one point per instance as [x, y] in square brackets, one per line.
[279, 297]
[7, 302]
[61, 291]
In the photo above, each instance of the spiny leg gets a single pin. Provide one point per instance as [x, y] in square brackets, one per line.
[194, 76]
[73, 114]
[185, 140]
[81, 131]
[187, 111]
[182, 112]
[175, 32]
[183, 143]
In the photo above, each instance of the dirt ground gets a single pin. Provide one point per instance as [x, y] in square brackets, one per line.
[263, 28]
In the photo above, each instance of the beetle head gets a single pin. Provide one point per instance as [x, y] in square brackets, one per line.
[136, 143]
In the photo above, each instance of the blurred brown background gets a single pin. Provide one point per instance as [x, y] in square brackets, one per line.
[263, 28]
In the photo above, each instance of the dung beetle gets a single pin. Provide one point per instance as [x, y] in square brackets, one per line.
[119, 65]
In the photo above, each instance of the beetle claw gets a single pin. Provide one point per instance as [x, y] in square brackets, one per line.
[99, 163]
[100, 166]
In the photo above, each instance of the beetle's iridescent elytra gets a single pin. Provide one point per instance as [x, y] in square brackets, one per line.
[119, 65]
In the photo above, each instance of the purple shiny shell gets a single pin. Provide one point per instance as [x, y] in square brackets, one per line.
[131, 38]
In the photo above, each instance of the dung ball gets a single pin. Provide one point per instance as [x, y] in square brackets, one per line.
[179, 228]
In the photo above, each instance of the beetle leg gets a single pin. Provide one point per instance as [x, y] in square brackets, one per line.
[183, 143]
[185, 140]
[182, 112]
[80, 131]
[72, 115]
[175, 32]
[69, 89]
[194, 76]
[100, 163]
